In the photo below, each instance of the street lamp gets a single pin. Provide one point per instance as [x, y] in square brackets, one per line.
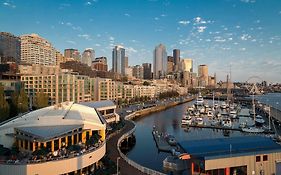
[118, 165]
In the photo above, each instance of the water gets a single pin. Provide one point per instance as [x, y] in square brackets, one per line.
[273, 99]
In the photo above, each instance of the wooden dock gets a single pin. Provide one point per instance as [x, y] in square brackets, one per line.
[161, 142]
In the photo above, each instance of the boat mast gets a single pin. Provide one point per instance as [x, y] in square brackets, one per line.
[269, 119]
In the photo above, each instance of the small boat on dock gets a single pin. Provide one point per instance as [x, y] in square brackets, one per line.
[253, 130]
[199, 100]
[186, 120]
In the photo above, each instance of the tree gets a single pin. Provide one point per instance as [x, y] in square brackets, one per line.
[146, 83]
[4, 106]
[22, 101]
[41, 100]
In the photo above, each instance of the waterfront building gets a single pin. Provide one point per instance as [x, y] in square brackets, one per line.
[147, 75]
[72, 137]
[37, 69]
[160, 62]
[128, 91]
[170, 64]
[37, 50]
[118, 60]
[186, 65]
[144, 91]
[60, 87]
[106, 108]
[88, 56]
[138, 72]
[10, 48]
[176, 56]
[237, 155]
[100, 64]
[203, 75]
[107, 89]
[72, 54]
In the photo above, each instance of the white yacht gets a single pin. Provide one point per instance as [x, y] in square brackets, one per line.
[253, 130]
[233, 113]
[199, 100]
[186, 120]
[226, 122]
[259, 120]
[199, 121]
[210, 114]
[223, 105]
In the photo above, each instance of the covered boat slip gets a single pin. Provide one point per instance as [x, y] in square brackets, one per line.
[240, 155]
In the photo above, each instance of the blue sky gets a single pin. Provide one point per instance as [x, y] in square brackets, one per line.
[245, 34]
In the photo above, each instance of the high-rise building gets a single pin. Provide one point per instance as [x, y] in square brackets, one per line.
[118, 60]
[37, 50]
[203, 75]
[186, 65]
[160, 62]
[126, 61]
[88, 56]
[72, 54]
[147, 71]
[9, 48]
[170, 64]
[100, 64]
[176, 55]
[138, 71]
[59, 58]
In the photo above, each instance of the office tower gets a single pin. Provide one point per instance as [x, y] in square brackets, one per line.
[88, 56]
[203, 75]
[9, 48]
[186, 65]
[170, 64]
[118, 60]
[147, 71]
[176, 55]
[72, 54]
[100, 64]
[126, 61]
[160, 62]
[138, 71]
[37, 50]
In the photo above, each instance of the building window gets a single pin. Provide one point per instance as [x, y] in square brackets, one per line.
[258, 158]
[264, 158]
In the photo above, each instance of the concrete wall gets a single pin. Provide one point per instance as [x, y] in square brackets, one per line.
[54, 167]
[253, 167]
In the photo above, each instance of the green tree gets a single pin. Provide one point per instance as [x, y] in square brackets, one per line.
[146, 83]
[22, 101]
[4, 106]
[41, 100]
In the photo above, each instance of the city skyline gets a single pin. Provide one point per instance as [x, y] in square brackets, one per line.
[240, 33]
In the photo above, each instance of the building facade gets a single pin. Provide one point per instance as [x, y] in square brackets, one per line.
[170, 64]
[203, 75]
[186, 65]
[118, 60]
[100, 64]
[138, 72]
[10, 48]
[72, 54]
[37, 50]
[147, 74]
[176, 56]
[160, 62]
[88, 56]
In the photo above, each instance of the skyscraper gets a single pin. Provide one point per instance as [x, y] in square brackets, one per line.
[203, 75]
[88, 56]
[126, 61]
[138, 71]
[9, 47]
[186, 65]
[160, 62]
[118, 60]
[147, 71]
[100, 64]
[170, 64]
[37, 50]
[176, 55]
[73, 54]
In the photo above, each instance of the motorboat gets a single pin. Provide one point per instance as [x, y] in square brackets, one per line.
[215, 122]
[253, 130]
[190, 108]
[216, 105]
[223, 105]
[171, 140]
[242, 125]
[186, 120]
[233, 113]
[226, 122]
[199, 100]
[199, 121]
[259, 120]
[210, 114]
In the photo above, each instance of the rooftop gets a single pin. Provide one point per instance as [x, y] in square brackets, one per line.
[99, 104]
[225, 147]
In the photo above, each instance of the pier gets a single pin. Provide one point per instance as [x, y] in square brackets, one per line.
[161, 142]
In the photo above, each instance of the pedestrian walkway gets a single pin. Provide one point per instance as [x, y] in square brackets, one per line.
[125, 168]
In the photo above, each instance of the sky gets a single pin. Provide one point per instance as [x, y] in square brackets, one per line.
[238, 36]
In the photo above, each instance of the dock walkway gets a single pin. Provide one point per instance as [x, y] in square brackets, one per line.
[161, 142]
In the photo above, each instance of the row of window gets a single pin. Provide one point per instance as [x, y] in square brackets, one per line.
[264, 158]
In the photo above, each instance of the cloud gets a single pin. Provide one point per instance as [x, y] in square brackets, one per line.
[248, 1]
[63, 6]
[156, 18]
[69, 24]
[184, 22]
[97, 45]
[163, 15]
[71, 42]
[88, 3]
[245, 37]
[127, 14]
[8, 4]
[85, 36]
[111, 38]
[130, 50]
[201, 29]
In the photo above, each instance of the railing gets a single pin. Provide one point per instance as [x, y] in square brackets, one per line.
[129, 161]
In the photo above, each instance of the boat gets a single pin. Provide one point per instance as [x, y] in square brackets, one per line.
[186, 120]
[242, 125]
[199, 121]
[253, 130]
[259, 120]
[199, 100]
[233, 114]
[210, 114]
[226, 122]
[190, 108]
[215, 122]
[223, 105]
